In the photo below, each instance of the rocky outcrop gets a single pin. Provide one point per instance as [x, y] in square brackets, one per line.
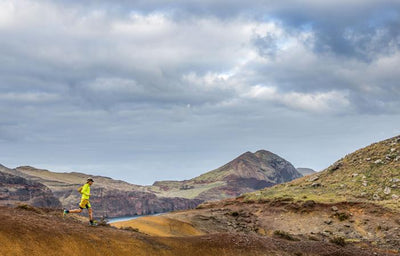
[14, 190]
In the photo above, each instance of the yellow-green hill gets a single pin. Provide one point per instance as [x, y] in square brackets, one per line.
[369, 174]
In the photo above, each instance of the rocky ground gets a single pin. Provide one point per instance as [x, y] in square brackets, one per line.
[31, 231]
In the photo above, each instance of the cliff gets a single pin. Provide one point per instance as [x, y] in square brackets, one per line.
[15, 189]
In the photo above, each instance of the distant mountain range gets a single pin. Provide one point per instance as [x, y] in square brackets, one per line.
[113, 198]
[305, 171]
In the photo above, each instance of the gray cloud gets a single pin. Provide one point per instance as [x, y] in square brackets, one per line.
[102, 84]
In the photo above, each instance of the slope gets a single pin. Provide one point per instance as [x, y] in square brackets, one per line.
[369, 174]
[33, 231]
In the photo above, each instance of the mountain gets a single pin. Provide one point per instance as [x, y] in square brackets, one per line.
[15, 189]
[246, 173]
[305, 171]
[369, 174]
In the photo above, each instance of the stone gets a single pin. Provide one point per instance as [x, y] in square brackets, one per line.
[395, 197]
[328, 222]
[316, 185]
[335, 209]
[395, 180]
[376, 197]
[365, 183]
[313, 178]
[368, 159]
[379, 161]
[354, 175]
[392, 150]
[387, 191]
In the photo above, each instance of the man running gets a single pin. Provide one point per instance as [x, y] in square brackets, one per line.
[85, 191]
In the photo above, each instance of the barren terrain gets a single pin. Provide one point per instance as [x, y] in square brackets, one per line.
[32, 231]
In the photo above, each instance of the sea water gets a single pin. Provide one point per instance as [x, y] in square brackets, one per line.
[112, 220]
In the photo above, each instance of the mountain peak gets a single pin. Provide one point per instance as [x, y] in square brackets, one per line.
[261, 165]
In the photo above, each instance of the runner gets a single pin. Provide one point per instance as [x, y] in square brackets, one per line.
[85, 191]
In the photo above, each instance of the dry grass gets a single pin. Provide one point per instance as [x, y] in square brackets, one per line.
[160, 226]
[361, 176]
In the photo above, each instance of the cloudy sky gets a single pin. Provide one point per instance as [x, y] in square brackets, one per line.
[152, 89]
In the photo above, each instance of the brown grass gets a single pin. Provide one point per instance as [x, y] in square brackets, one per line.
[160, 226]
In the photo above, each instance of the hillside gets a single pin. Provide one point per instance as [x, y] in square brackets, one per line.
[15, 190]
[246, 173]
[369, 174]
[31, 231]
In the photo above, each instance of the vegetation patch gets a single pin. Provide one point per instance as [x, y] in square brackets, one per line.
[342, 216]
[130, 229]
[27, 207]
[234, 214]
[338, 240]
[285, 235]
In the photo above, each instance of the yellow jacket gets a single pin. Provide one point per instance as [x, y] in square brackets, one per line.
[85, 191]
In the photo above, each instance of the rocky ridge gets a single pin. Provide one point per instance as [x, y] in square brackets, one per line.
[15, 190]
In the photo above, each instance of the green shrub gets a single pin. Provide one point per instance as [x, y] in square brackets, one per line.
[285, 235]
[338, 240]
[342, 216]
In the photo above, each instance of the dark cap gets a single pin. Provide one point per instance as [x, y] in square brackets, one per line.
[90, 179]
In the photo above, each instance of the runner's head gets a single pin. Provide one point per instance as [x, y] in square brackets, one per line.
[90, 181]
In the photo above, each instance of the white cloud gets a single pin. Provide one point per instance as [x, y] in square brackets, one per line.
[317, 102]
[30, 97]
